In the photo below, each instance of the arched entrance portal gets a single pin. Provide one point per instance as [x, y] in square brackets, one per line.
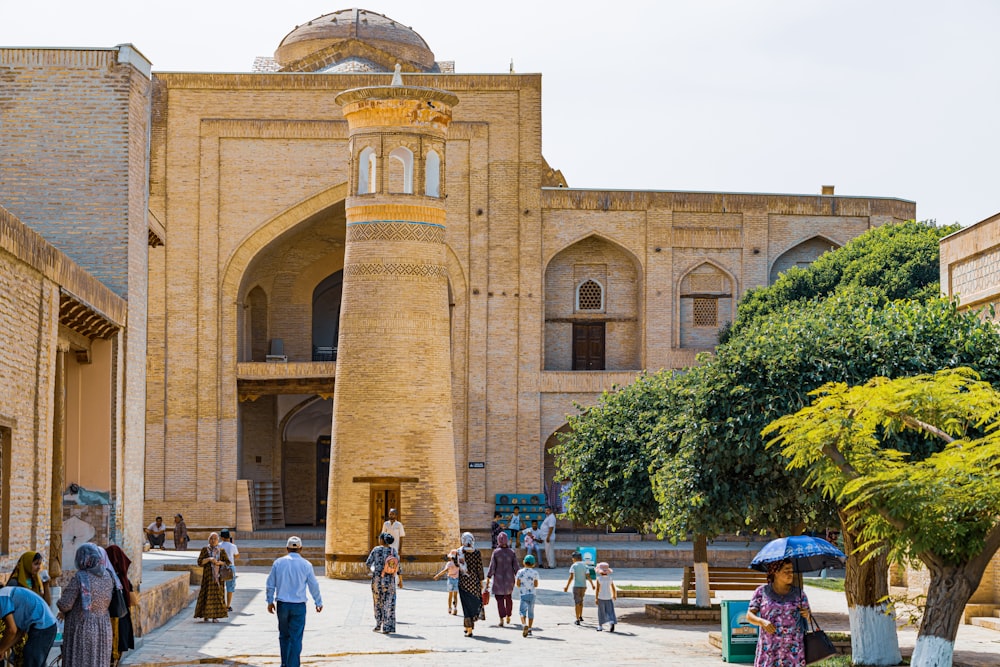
[289, 298]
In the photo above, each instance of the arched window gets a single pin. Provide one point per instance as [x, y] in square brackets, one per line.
[367, 175]
[401, 170]
[590, 296]
[432, 174]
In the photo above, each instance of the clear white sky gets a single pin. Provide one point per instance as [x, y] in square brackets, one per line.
[896, 98]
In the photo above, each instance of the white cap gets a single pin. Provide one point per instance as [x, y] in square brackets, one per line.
[294, 543]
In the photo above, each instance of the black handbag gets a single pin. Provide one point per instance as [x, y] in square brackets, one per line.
[818, 645]
[119, 606]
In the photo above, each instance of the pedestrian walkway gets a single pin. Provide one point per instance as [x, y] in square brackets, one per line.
[428, 635]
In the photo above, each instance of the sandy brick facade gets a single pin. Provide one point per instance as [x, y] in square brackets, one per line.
[75, 142]
[250, 176]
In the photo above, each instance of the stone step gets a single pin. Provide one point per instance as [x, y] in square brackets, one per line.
[989, 622]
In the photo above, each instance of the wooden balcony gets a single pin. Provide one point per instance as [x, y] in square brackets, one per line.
[256, 379]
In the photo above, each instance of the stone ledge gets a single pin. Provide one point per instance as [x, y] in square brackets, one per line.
[163, 594]
[679, 614]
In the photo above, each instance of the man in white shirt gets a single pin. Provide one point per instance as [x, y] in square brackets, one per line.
[156, 533]
[395, 528]
[227, 545]
[286, 584]
[547, 533]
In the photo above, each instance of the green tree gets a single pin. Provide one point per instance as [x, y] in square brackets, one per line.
[943, 510]
[607, 453]
[898, 261]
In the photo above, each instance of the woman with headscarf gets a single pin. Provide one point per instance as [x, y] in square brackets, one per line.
[122, 631]
[28, 574]
[503, 567]
[212, 596]
[84, 606]
[384, 583]
[470, 582]
[776, 608]
[180, 533]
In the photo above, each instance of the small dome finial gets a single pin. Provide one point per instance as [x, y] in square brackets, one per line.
[397, 77]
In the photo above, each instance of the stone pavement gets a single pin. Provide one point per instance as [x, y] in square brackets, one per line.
[427, 635]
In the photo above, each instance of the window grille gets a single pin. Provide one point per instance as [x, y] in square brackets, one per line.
[590, 296]
[706, 312]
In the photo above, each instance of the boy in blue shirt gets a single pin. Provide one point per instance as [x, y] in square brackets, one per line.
[579, 575]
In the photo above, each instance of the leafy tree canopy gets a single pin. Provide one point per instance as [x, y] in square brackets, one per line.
[723, 479]
[899, 261]
[942, 507]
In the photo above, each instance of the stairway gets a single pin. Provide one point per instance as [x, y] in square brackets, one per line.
[991, 622]
[267, 505]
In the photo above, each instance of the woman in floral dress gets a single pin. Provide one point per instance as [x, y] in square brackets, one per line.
[777, 607]
[383, 585]
[212, 596]
[470, 582]
[84, 605]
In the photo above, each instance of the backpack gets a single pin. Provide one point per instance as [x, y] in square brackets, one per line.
[391, 565]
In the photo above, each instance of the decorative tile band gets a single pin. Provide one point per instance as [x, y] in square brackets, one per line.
[396, 269]
[395, 230]
[391, 210]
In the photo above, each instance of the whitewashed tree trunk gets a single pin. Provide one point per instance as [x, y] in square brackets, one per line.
[873, 632]
[932, 652]
[870, 626]
[702, 597]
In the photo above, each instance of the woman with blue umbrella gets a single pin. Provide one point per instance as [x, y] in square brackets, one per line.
[780, 608]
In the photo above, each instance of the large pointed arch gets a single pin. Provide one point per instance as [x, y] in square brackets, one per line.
[608, 338]
[232, 274]
[802, 252]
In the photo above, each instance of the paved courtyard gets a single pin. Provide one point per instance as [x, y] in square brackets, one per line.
[427, 635]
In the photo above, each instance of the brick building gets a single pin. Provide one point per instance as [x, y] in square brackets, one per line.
[74, 127]
[555, 294]
[552, 294]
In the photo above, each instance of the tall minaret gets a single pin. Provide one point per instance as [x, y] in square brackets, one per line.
[393, 443]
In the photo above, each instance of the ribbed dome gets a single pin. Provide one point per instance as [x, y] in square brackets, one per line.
[352, 35]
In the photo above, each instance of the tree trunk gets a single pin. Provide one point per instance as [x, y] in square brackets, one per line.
[873, 627]
[702, 597]
[950, 589]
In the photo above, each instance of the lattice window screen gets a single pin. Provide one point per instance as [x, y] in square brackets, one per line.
[590, 296]
[706, 312]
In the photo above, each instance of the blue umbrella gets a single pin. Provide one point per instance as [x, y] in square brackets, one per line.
[807, 554]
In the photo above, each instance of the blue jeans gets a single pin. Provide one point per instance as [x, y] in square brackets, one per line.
[291, 625]
[527, 606]
[36, 651]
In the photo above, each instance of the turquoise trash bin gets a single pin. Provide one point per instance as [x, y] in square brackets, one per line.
[739, 637]
[589, 555]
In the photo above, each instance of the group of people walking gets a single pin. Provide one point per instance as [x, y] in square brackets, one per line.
[95, 607]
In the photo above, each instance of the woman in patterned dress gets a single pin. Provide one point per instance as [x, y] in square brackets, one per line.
[777, 607]
[212, 596]
[84, 606]
[503, 567]
[383, 585]
[470, 582]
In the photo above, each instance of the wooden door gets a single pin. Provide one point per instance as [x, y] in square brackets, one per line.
[588, 346]
[383, 499]
[322, 478]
